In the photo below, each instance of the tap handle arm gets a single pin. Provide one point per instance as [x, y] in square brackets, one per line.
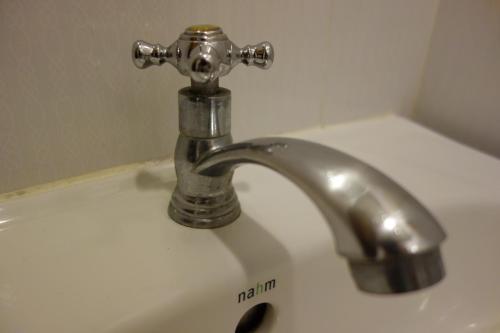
[260, 55]
[145, 54]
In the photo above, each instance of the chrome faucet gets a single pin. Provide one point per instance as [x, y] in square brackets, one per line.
[389, 239]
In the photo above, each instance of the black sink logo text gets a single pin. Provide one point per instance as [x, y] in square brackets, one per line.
[260, 288]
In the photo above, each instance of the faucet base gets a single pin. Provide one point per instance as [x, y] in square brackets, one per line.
[204, 212]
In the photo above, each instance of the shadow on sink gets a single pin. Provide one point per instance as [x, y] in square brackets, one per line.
[217, 306]
[148, 180]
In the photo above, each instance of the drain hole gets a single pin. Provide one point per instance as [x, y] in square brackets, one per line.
[255, 319]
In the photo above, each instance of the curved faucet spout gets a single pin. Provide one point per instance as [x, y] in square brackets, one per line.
[390, 240]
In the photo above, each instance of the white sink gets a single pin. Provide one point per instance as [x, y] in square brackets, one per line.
[101, 255]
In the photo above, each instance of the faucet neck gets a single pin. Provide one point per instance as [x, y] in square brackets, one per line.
[205, 111]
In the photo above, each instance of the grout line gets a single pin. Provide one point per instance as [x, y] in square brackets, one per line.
[65, 182]
[412, 114]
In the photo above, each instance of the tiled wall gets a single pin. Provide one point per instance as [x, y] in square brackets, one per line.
[71, 101]
[460, 93]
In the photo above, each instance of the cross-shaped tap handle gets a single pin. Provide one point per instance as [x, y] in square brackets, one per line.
[202, 52]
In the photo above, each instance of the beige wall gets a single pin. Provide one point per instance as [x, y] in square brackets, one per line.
[377, 56]
[460, 93]
[71, 101]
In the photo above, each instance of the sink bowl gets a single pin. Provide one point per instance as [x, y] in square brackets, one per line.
[102, 255]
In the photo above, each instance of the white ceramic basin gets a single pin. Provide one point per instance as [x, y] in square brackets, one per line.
[101, 255]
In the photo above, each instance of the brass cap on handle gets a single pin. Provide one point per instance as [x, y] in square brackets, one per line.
[202, 52]
[203, 28]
